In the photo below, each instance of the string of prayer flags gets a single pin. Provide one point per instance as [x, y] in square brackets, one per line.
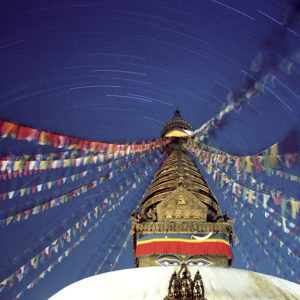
[235, 101]
[59, 260]
[57, 182]
[41, 187]
[62, 199]
[258, 194]
[269, 213]
[247, 194]
[286, 240]
[277, 196]
[124, 246]
[247, 259]
[254, 81]
[96, 215]
[45, 156]
[241, 213]
[114, 243]
[266, 242]
[289, 227]
[24, 133]
[18, 168]
[266, 162]
[211, 162]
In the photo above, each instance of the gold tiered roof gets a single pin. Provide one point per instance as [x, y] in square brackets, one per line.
[179, 170]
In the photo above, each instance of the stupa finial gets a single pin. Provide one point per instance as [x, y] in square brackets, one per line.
[177, 127]
[177, 113]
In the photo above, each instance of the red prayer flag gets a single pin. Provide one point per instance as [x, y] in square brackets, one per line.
[28, 133]
[86, 144]
[8, 129]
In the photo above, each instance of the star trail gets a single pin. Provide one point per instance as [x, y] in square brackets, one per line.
[115, 71]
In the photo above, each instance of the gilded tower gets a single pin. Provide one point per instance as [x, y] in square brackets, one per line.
[180, 220]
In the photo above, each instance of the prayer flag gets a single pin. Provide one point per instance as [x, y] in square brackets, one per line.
[27, 133]
[8, 129]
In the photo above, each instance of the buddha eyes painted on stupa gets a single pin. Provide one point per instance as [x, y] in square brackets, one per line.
[198, 262]
[174, 260]
[168, 261]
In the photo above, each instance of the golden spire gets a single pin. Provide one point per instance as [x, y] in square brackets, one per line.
[180, 220]
[177, 127]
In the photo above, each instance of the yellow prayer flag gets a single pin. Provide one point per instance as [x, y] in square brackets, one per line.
[42, 138]
[110, 147]
[295, 208]
[294, 178]
[67, 163]
[250, 195]
[43, 165]
[22, 192]
[33, 262]
[209, 169]
[4, 282]
[248, 164]
[86, 160]
[18, 165]
[273, 156]
[96, 212]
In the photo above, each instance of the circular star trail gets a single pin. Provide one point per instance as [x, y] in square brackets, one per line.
[115, 71]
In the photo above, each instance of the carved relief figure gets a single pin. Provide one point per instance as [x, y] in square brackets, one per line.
[181, 200]
[169, 215]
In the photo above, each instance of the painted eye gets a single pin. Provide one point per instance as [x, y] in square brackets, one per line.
[168, 262]
[198, 262]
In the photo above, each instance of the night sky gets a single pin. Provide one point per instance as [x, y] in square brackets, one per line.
[115, 71]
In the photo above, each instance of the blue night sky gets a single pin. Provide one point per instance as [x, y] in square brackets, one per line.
[115, 71]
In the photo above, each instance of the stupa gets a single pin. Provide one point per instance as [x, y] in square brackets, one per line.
[182, 242]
